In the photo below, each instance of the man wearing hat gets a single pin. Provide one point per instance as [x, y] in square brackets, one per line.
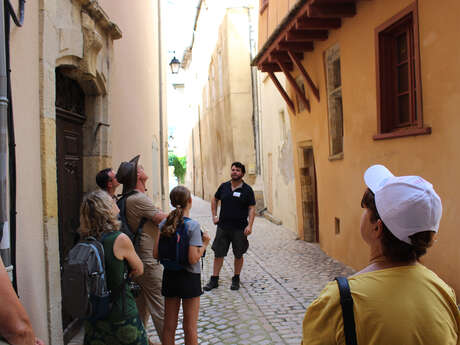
[138, 207]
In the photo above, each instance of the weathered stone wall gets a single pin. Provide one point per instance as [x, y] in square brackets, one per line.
[225, 130]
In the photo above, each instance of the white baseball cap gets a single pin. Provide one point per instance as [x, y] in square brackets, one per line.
[406, 204]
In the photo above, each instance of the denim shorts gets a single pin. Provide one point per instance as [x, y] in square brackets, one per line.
[224, 237]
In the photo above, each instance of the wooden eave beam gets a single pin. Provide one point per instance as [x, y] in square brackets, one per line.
[282, 34]
[274, 67]
[282, 91]
[305, 23]
[306, 35]
[332, 10]
[305, 74]
[296, 87]
[283, 56]
[296, 46]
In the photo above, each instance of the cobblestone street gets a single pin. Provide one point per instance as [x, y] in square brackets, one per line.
[280, 278]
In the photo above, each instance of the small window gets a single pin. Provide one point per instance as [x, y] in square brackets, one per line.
[300, 105]
[334, 102]
[263, 5]
[337, 225]
[282, 124]
[398, 79]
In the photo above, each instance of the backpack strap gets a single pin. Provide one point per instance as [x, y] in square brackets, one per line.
[346, 301]
[122, 202]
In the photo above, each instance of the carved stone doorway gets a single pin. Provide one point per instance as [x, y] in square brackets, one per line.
[70, 106]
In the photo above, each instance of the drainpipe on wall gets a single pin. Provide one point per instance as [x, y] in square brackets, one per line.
[3, 121]
[9, 12]
[255, 97]
[160, 107]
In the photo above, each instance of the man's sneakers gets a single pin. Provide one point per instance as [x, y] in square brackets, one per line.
[213, 283]
[235, 283]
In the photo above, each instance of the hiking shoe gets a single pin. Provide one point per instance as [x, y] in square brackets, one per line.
[235, 283]
[212, 284]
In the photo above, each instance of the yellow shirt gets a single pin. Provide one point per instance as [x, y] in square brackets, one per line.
[407, 305]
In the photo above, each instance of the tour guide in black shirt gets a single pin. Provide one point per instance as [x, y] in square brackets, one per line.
[237, 203]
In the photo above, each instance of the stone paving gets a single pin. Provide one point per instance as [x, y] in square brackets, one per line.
[280, 278]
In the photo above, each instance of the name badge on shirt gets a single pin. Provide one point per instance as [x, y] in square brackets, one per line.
[237, 194]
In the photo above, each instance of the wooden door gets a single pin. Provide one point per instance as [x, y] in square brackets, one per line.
[309, 199]
[69, 179]
[69, 183]
[70, 105]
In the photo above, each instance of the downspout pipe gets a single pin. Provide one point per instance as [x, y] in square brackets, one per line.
[19, 22]
[3, 118]
[9, 12]
[160, 107]
[255, 96]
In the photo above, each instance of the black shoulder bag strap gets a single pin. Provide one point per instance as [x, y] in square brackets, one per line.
[346, 300]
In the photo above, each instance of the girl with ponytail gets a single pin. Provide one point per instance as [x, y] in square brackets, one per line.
[183, 285]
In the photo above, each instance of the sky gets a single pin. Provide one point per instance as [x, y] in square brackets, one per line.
[180, 18]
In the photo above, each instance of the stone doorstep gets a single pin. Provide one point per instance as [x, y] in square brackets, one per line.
[272, 219]
[78, 338]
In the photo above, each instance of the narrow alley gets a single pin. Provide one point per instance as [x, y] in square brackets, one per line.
[280, 278]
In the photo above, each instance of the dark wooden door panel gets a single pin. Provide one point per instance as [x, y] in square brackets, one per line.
[69, 166]
[69, 173]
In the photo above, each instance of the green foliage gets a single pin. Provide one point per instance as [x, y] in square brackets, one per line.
[180, 166]
[170, 159]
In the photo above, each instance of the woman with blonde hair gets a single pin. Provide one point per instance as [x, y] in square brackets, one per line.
[99, 218]
[183, 284]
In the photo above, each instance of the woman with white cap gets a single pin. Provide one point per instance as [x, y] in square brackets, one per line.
[396, 300]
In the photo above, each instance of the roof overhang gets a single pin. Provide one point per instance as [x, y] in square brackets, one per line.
[308, 21]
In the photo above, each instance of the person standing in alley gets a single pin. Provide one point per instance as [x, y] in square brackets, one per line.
[99, 219]
[140, 208]
[106, 180]
[237, 205]
[181, 283]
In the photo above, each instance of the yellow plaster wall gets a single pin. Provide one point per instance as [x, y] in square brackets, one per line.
[134, 89]
[435, 157]
[30, 241]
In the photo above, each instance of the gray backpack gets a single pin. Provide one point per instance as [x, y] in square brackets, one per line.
[84, 290]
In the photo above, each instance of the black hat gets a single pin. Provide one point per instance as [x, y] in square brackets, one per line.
[127, 174]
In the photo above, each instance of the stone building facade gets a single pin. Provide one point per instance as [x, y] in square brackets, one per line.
[223, 90]
[87, 94]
